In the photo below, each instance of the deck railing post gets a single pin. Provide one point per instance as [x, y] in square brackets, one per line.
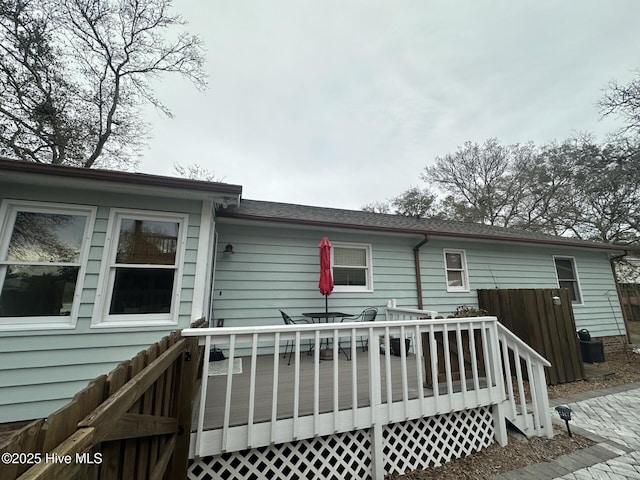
[498, 409]
[375, 394]
[203, 395]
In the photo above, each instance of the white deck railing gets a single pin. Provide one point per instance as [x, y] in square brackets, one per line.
[466, 367]
[527, 405]
[528, 408]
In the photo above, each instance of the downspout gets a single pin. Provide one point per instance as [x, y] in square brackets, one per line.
[416, 261]
[615, 281]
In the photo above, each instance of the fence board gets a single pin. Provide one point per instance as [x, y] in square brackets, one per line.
[630, 301]
[550, 329]
[575, 358]
[547, 316]
[531, 305]
[131, 446]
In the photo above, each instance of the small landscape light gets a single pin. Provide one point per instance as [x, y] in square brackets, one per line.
[565, 414]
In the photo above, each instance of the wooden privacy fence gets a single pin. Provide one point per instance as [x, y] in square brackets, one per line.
[630, 301]
[132, 423]
[545, 324]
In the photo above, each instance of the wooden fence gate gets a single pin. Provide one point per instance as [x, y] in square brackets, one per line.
[133, 423]
[630, 301]
[543, 318]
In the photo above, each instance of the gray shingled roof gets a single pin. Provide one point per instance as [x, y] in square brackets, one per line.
[360, 220]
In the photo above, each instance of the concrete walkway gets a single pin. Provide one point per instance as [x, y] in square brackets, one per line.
[609, 417]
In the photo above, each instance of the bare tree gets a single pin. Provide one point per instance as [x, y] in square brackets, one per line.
[80, 101]
[624, 102]
[606, 191]
[483, 181]
[414, 202]
[578, 187]
[195, 171]
[383, 206]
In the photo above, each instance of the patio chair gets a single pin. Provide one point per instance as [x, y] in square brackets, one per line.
[290, 321]
[367, 315]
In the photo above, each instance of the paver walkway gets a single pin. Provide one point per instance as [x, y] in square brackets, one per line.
[611, 418]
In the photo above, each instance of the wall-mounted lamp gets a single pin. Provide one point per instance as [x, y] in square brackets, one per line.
[556, 300]
[228, 250]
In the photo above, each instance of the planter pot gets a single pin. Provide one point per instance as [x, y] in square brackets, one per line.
[326, 354]
[395, 346]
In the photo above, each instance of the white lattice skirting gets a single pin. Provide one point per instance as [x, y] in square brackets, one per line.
[410, 445]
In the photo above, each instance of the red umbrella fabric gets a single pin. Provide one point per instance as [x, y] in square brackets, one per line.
[326, 280]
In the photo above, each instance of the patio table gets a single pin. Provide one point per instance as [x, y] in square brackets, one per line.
[319, 317]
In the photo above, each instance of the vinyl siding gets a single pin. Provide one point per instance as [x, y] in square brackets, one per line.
[276, 268]
[40, 370]
[500, 265]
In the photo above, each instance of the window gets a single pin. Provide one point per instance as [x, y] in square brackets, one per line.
[351, 265]
[456, 271]
[144, 262]
[42, 252]
[568, 277]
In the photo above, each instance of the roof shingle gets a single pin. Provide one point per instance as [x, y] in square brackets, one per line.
[361, 220]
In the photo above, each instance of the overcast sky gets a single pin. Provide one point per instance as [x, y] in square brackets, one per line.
[343, 103]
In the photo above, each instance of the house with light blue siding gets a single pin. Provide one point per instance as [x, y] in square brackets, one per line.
[95, 266]
[419, 263]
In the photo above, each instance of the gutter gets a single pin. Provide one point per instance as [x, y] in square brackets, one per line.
[416, 261]
[65, 172]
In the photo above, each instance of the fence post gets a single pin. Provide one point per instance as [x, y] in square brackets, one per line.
[184, 409]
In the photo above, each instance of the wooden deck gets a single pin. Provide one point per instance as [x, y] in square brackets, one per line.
[240, 391]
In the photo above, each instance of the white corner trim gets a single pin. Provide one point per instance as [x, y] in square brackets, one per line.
[203, 258]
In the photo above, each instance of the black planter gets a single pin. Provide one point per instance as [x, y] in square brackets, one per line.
[395, 346]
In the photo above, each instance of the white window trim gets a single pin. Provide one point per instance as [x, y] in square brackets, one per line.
[8, 209]
[101, 316]
[369, 269]
[465, 270]
[574, 264]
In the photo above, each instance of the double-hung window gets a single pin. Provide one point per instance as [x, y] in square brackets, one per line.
[568, 277]
[351, 265]
[144, 261]
[456, 270]
[43, 248]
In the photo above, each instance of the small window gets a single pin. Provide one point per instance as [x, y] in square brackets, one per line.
[456, 271]
[351, 265]
[143, 276]
[41, 258]
[568, 277]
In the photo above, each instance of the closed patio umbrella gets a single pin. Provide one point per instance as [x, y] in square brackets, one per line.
[326, 280]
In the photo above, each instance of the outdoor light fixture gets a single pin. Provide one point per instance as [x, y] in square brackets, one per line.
[556, 300]
[228, 250]
[565, 414]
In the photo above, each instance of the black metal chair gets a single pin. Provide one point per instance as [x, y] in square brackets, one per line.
[290, 321]
[367, 315]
